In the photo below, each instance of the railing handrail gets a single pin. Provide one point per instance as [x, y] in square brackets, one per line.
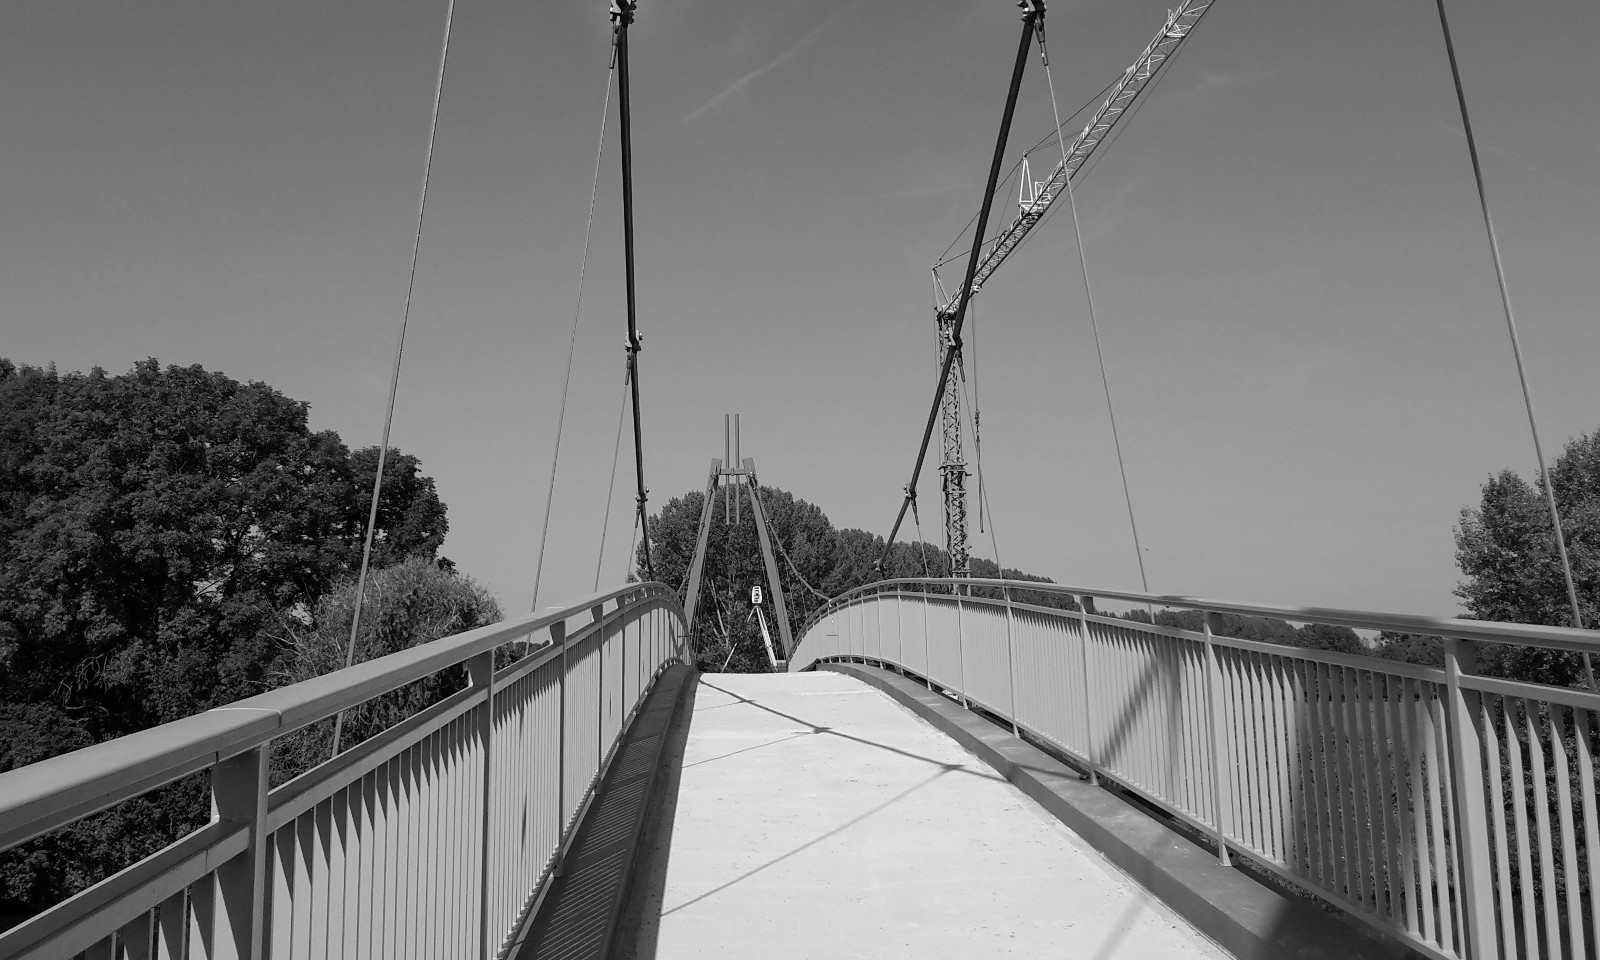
[1533, 635]
[43, 796]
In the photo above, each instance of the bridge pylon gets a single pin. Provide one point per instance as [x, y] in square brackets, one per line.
[737, 478]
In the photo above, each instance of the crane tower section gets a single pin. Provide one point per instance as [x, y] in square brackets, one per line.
[1034, 201]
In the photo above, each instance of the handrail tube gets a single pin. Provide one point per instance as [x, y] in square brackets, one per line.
[43, 796]
[1374, 785]
[1570, 639]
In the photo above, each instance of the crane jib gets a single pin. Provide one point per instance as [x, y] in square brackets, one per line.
[1179, 24]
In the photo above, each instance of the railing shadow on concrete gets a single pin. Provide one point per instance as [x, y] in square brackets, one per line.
[1452, 812]
[433, 838]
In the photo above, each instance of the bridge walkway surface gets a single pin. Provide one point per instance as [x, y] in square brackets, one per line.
[812, 816]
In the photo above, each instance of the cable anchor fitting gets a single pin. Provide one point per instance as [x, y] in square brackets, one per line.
[622, 11]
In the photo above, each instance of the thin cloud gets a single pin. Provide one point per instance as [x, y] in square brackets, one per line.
[768, 67]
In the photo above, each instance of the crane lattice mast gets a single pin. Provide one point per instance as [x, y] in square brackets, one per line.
[1034, 200]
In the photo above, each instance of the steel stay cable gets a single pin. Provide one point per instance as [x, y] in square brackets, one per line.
[1029, 20]
[976, 416]
[622, 14]
[394, 378]
[572, 339]
[1516, 344]
[922, 545]
[983, 500]
[1094, 326]
[772, 534]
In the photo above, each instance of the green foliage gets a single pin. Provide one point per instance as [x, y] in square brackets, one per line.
[806, 545]
[1312, 636]
[411, 603]
[157, 530]
[1506, 549]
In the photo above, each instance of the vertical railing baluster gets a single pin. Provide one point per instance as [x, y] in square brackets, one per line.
[239, 795]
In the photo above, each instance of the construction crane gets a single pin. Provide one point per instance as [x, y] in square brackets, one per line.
[1034, 200]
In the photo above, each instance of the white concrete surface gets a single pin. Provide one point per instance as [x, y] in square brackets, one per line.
[817, 818]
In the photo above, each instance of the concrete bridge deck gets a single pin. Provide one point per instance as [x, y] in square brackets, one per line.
[815, 817]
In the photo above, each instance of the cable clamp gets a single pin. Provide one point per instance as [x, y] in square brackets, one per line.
[622, 11]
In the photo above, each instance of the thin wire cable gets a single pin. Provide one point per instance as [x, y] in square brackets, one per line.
[611, 486]
[941, 260]
[977, 415]
[772, 534]
[1516, 343]
[922, 545]
[394, 377]
[1094, 325]
[983, 501]
[572, 339]
[633, 546]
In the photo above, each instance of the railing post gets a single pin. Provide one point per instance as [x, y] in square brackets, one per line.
[899, 634]
[961, 645]
[239, 795]
[597, 614]
[927, 656]
[1221, 751]
[1011, 659]
[480, 671]
[558, 635]
[1472, 819]
[1086, 604]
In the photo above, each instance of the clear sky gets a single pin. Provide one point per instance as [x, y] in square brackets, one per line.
[1296, 297]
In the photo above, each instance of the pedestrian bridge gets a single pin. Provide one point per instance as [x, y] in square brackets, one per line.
[976, 768]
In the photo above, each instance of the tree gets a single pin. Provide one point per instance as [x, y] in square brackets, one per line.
[815, 562]
[1506, 550]
[410, 603]
[156, 529]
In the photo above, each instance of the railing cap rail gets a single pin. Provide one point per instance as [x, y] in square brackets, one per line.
[42, 796]
[1534, 635]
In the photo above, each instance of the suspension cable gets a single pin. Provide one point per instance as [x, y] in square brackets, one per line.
[572, 339]
[983, 500]
[922, 545]
[976, 415]
[772, 534]
[394, 377]
[1094, 326]
[1516, 344]
[622, 15]
[611, 485]
[1034, 13]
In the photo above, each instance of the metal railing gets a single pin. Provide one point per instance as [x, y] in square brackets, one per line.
[430, 839]
[1456, 812]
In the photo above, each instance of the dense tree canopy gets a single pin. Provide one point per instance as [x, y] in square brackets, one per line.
[815, 561]
[1506, 549]
[158, 531]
